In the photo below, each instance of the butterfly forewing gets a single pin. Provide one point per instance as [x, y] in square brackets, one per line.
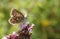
[16, 13]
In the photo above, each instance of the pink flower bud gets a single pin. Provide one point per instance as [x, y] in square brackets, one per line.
[8, 36]
[13, 35]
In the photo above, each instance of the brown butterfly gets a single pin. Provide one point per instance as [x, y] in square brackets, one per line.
[16, 16]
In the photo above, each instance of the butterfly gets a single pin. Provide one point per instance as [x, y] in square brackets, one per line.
[16, 17]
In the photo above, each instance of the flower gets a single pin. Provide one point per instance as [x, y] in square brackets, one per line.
[23, 25]
[25, 33]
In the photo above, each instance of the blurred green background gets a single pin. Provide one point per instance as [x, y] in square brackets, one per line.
[45, 14]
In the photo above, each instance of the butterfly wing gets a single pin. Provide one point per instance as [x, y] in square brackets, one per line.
[12, 20]
[16, 17]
